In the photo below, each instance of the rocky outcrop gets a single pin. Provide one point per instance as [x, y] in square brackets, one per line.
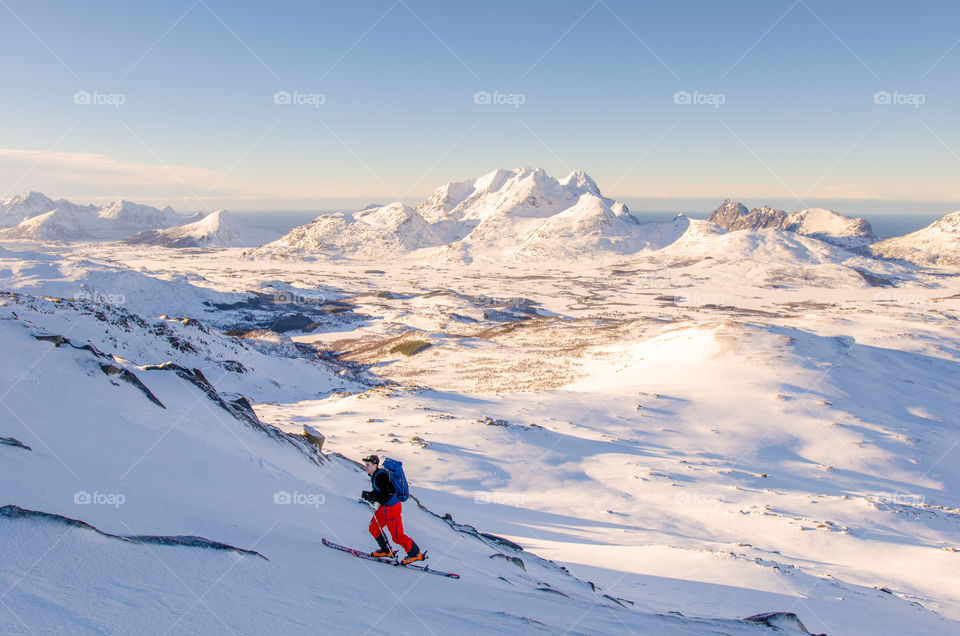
[728, 213]
[779, 620]
[191, 541]
[108, 366]
[240, 408]
[13, 441]
[733, 216]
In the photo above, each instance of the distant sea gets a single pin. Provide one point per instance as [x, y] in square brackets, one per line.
[883, 224]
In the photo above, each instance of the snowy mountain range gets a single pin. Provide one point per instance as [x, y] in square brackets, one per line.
[521, 214]
[527, 215]
[37, 217]
[217, 229]
[819, 223]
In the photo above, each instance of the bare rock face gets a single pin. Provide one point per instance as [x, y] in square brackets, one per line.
[728, 213]
[762, 218]
[818, 223]
[732, 215]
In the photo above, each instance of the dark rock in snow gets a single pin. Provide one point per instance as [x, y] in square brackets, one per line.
[501, 541]
[728, 213]
[517, 561]
[13, 441]
[16, 512]
[873, 280]
[314, 436]
[787, 620]
[130, 377]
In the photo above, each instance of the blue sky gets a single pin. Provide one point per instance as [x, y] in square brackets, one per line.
[182, 100]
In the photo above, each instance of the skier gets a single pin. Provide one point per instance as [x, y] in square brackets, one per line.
[388, 513]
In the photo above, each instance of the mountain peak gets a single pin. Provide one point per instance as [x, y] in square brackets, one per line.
[580, 181]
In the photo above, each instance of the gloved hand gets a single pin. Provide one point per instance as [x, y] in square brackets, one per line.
[367, 495]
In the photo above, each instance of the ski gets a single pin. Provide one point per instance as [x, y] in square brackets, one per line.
[367, 556]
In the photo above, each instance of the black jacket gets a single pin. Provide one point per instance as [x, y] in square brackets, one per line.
[383, 489]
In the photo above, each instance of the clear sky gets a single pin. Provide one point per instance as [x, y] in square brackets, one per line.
[664, 104]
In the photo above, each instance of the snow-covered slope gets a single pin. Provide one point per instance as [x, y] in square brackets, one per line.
[36, 217]
[126, 216]
[819, 223]
[138, 498]
[20, 207]
[936, 244]
[374, 232]
[217, 229]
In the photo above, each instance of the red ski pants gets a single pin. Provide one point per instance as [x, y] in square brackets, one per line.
[389, 517]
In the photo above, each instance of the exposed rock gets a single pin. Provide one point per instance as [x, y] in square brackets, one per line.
[728, 213]
[501, 541]
[240, 408]
[787, 620]
[517, 561]
[130, 377]
[13, 441]
[873, 280]
[16, 512]
[619, 601]
[489, 421]
[314, 436]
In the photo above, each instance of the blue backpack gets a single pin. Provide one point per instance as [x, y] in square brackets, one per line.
[394, 468]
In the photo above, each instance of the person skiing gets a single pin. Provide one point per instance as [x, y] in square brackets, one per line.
[387, 514]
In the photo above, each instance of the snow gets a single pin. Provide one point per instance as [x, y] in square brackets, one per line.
[820, 223]
[36, 217]
[217, 229]
[518, 215]
[936, 244]
[705, 424]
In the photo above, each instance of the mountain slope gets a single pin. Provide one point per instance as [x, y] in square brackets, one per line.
[375, 232]
[936, 244]
[20, 207]
[819, 223]
[124, 464]
[217, 229]
[522, 213]
[36, 217]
